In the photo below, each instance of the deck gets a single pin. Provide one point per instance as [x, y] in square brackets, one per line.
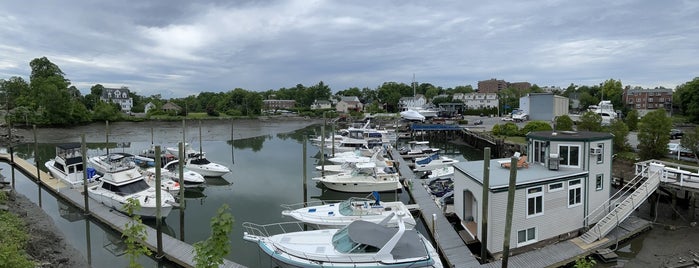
[176, 251]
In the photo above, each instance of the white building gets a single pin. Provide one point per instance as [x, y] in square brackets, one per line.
[476, 101]
[543, 106]
[418, 100]
[568, 175]
[119, 96]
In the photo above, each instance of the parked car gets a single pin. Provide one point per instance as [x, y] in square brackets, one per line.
[676, 134]
[478, 122]
[507, 119]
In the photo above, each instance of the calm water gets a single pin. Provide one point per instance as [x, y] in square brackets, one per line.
[267, 170]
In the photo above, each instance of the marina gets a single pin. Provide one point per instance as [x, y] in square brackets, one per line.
[452, 244]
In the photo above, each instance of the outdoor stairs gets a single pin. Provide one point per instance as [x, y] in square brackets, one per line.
[635, 193]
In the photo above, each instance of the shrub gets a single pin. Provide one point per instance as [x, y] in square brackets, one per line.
[535, 126]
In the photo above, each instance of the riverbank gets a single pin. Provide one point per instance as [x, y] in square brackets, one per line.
[46, 245]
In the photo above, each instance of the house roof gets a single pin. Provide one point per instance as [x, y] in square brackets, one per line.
[349, 99]
[115, 93]
[570, 135]
[171, 106]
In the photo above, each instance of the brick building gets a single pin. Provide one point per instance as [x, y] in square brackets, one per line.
[494, 86]
[646, 100]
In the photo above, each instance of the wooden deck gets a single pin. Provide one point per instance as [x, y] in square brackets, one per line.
[174, 250]
[449, 243]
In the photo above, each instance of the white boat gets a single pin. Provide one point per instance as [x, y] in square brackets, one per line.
[122, 181]
[360, 155]
[433, 161]
[336, 214]
[349, 162]
[364, 178]
[356, 139]
[67, 165]
[359, 244]
[171, 171]
[425, 112]
[412, 115]
[196, 161]
[123, 164]
[418, 148]
[146, 158]
[440, 172]
[606, 110]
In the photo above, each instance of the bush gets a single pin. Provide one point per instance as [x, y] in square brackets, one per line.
[535, 126]
[564, 123]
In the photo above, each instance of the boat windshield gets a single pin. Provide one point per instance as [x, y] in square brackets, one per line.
[200, 161]
[353, 207]
[343, 244]
[127, 189]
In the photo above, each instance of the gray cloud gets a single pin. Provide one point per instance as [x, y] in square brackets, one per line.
[179, 48]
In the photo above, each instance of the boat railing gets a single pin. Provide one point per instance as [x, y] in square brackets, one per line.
[309, 204]
[267, 230]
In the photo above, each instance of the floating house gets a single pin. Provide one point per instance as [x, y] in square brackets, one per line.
[561, 178]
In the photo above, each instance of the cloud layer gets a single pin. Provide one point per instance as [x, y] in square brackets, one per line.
[179, 48]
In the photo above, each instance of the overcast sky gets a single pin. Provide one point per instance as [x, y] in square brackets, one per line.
[178, 48]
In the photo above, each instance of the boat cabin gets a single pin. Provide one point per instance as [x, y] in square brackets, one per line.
[561, 177]
[69, 158]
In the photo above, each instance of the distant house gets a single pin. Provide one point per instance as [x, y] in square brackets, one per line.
[321, 104]
[278, 104]
[347, 104]
[476, 101]
[564, 177]
[148, 106]
[119, 96]
[418, 100]
[171, 107]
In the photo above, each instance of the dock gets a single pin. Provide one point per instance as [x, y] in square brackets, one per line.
[176, 251]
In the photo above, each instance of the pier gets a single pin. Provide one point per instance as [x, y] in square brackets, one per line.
[177, 251]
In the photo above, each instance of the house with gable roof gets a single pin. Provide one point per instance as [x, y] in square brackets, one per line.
[119, 96]
[347, 104]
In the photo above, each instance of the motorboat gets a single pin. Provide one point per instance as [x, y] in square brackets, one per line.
[349, 162]
[359, 244]
[199, 164]
[356, 139]
[171, 171]
[427, 112]
[364, 178]
[337, 214]
[146, 158]
[357, 156]
[196, 161]
[438, 173]
[606, 110]
[67, 165]
[412, 115]
[121, 181]
[440, 186]
[123, 164]
[418, 148]
[433, 161]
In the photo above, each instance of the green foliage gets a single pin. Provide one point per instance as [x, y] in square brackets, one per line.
[687, 98]
[13, 240]
[632, 120]
[590, 121]
[210, 252]
[690, 140]
[564, 123]
[135, 232]
[621, 133]
[496, 129]
[535, 126]
[587, 262]
[508, 129]
[106, 112]
[653, 135]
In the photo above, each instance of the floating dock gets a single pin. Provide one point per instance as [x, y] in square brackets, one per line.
[176, 251]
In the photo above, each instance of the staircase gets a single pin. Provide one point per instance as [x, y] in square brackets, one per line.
[632, 196]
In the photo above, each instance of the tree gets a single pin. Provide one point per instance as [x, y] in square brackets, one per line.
[590, 121]
[620, 132]
[210, 252]
[690, 140]
[632, 120]
[687, 98]
[135, 233]
[653, 135]
[612, 90]
[564, 123]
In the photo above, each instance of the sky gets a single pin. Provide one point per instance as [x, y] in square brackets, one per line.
[179, 48]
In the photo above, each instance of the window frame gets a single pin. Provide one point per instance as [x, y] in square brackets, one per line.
[565, 159]
[537, 195]
[556, 189]
[575, 186]
[600, 157]
[599, 182]
[527, 240]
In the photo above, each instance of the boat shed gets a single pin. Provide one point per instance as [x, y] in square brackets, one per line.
[561, 178]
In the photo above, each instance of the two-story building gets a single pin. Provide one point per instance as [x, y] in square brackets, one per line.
[406, 103]
[566, 175]
[646, 100]
[119, 96]
[347, 104]
[476, 101]
[321, 104]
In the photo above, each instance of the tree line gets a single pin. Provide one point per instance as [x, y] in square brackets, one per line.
[48, 98]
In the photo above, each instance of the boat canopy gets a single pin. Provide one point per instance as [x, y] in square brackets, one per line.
[375, 235]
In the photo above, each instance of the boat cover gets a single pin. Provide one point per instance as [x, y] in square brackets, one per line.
[409, 245]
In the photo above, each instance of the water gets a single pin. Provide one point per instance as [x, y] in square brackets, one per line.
[267, 171]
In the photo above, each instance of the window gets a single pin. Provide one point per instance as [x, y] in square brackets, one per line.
[526, 237]
[539, 151]
[638, 106]
[638, 99]
[569, 155]
[661, 100]
[535, 201]
[599, 182]
[574, 193]
[600, 157]
[553, 187]
[650, 99]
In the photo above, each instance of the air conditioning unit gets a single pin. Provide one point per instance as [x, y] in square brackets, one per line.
[595, 151]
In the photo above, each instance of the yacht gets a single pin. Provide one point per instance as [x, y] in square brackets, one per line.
[359, 244]
[364, 178]
[433, 161]
[196, 161]
[67, 165]
[121, 181]
[605, 109]
[171, 171]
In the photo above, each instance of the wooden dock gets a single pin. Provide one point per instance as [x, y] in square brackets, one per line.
[174, 250]
[448, 241]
